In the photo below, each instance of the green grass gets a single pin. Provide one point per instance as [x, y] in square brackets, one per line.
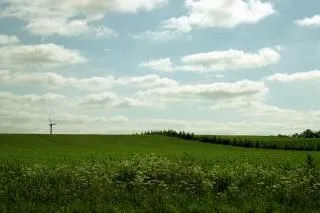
[46, 147]
[90, 173]
[277, 142]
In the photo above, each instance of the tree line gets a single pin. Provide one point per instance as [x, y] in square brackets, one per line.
[291, 144]
[307, 134]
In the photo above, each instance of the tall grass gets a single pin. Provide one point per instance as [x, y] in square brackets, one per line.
[150, 183]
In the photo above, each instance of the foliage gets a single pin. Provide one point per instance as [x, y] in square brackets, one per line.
[267, 142]
[88, 173]
[308, 134]
[149, 183]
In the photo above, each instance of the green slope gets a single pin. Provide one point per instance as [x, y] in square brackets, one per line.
[46, 147]
[91, 173]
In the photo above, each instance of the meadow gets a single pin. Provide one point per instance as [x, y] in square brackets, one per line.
[152, 173]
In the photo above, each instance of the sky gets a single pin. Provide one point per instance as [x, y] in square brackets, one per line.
[126, 66]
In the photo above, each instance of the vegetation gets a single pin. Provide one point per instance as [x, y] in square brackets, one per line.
[63, 173]
[308, 134]
[267, 142]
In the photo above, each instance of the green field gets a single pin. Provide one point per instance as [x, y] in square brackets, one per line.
[46, 148]
[276, 142]
[91, 173]
[264, 142]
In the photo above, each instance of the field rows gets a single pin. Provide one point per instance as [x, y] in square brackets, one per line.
[63, 173]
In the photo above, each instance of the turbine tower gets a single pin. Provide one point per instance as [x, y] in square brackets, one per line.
[51, 124]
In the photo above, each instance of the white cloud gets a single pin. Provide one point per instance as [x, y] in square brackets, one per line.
[217, 61]
[269, 113]
[46, 55]
[220, 13]
[164, 65]
[30, 102]
[102, 31]
[97, 83]
[29, 113]
[60, 26]
[27, 121]
[211, 14]
[210, 92]
[219, 76]
[8, 40]
[118, 119]
[135, 5]
[147, 81]
[84, 124]
[37, 78]
[309, 21]
[292, 77]
[233, 59]
[158, 35]
[63, 16]
[54, 79]
[106, 100]
[5, 76]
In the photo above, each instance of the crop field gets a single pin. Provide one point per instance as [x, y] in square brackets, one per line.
[275, 142]
[152, 173]
[266, 142]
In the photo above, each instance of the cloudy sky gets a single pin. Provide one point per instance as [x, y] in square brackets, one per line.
[119, 66]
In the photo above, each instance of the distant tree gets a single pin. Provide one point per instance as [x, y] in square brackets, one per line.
[296, 135]
[283, 136]
[308, 134]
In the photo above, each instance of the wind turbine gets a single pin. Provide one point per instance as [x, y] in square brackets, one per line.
[51, 124]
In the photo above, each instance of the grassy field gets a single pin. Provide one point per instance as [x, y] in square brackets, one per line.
[282, 142]
[87, 173]
[272, 142]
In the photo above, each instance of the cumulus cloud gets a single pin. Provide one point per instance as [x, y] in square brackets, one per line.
[30, 103]
[233, 59]
[37, 122]
[48, 55]
[29, 113]
[217, 61]
[211, 14]
[157, 35]
[84, 124]
[58, 103]
[46, 18]
[8, 96]
[164, 65]
[110, 100]
[220, 13]
[92, 83]
[8, 40]
[60, 26]
[147, 81]
[209, 92]
[293, 77]
[313, 21]
[102, 31]
[136, 5]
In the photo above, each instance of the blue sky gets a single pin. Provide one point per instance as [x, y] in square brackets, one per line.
[119, 66]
